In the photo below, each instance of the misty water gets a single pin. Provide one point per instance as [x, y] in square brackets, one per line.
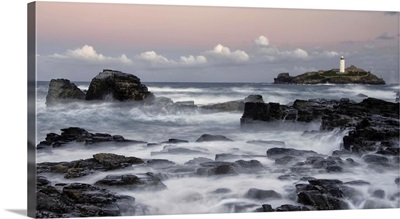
[186, 192]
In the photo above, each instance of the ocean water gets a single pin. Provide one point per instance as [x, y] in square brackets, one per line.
[160, 122]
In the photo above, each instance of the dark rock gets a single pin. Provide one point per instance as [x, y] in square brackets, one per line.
[81, 200]
[217, 168]
[274, 153]
[285, 160]
[198, 160]
[147, 182]
[76, 134]
[235, 105]
[334, 169]
[372, 158]
[252, 164]
[115, 85]
[324, 194]
[254, 98]
[267, 208]
[379, 194]
[221, 191]
[175, 141]
[362, 95]
[292, 208]
[62, 90]
[397, 181]
[160, 163]
[283, 78]
[262, 194]
[226, 156]
[208, 137]
[78, 168]
[266, 112]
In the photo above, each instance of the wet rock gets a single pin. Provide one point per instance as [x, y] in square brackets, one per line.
[198, 160]
[175, 141]
[147, 182]
[286, 160]
[379, 194]
[362, 95]
[236, 105]
[324, 194]
[76, 134]
[208, 137]
[266, 112]
[372, 158]
[62, 91]
[78, 168]
[275, 153]
[160, 163]
[334, 169]
[254, 98]
[115, 85]
[397, 181]
[251, 164]
[292, 208]
[81, 200]
[217, 168]
[259, 194]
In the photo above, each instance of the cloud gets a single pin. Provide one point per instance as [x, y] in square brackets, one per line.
[324, 54]
[191, 60]
[88, 53]
[153, 58]
[222, 53]
[261, 41]
[385, 36]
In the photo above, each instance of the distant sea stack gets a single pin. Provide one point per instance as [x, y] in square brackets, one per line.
[116, 85]
[349, 75]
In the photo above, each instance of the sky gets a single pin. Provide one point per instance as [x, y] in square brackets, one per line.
[210, 44]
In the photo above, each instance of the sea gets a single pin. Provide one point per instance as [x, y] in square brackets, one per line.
[191, 194]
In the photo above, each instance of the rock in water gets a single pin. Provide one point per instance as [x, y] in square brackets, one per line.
[115, 85]
[62, 90]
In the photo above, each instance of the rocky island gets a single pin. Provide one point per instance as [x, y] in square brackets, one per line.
[351, 75]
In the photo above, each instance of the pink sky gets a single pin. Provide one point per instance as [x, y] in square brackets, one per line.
[203, 27]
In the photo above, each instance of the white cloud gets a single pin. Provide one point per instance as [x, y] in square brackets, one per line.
[224, 53]
[297, 53]
[261, 41]
[191, 60]
[154, 58]
[88, 53]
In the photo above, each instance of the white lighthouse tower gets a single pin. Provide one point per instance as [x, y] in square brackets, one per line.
[342, 66]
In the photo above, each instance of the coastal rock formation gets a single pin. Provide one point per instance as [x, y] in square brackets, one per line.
[81, 200]
[115, 85]
[235, 105]
[76, 134]
[353, 75]
[374, 123]
[62, 90]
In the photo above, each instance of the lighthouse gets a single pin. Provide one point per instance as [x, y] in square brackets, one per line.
[341, 69]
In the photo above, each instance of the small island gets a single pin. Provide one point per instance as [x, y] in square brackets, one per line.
[349, 75]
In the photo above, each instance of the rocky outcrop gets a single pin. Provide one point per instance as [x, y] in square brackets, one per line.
[260, 194]
[82, 200]
[76, 134]
[61, 91]
[145, 182]
[373, 123]
[353, 75]
[115, 85]
[209, 137]
[235, 105]
[79, 168]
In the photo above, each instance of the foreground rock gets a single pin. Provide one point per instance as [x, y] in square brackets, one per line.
[79, 168]
[82, 200]
[325, 194]
[61, 91]
[76, 134]
[115, 85]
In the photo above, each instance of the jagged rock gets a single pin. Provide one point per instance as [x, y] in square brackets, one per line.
[275, 153]
[116, 85]
[254, 98]
[208, 137]
[147, 182]
[82, 200]
[78, 168]
[266, 112]
[61, 91]
[324, 194]
[262, 194]
[292, 208]
[76, 134]
[283, 78]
